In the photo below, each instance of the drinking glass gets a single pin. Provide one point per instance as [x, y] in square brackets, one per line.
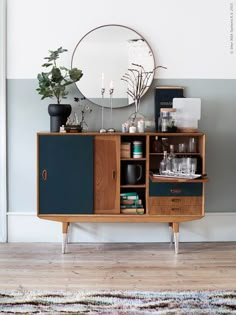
[162, 169]
[192, 146]
[182, 147]
[193, 167]
[188, 165]
[175, 162]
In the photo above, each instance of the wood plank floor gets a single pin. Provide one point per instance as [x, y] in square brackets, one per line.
[118, 266]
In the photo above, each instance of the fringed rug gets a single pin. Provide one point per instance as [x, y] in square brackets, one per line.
[117, 302]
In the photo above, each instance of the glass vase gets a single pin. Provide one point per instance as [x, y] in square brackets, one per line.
[136, 120]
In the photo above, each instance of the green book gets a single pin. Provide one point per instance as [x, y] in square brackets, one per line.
[128, 194]
[131, 206]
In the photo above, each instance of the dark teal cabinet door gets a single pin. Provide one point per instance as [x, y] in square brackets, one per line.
[65, 174]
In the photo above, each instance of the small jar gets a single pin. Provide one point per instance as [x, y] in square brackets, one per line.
[137, 149]
[140, 125]
[132, 129]
[168, 120]
[125, 127]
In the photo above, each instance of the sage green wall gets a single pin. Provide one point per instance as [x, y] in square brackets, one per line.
[27, 114]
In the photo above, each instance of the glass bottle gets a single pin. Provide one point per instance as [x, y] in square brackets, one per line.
[164, 164]
[164, 144]
[156, 145]
[168, 120]
[171, 157]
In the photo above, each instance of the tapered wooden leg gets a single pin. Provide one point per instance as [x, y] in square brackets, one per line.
[176, 236]
[171, 233]
[65, 226]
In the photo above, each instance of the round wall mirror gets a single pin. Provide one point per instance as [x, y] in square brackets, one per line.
[104, 55]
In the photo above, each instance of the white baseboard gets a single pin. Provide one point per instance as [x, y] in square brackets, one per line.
[27, 227]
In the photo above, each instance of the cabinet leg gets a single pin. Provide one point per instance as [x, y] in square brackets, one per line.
[65, 226]
[176, 236]
[171, 233]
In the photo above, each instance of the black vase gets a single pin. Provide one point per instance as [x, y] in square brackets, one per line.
[58, 115]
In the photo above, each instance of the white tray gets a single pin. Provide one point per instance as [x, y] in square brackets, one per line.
[170, 175]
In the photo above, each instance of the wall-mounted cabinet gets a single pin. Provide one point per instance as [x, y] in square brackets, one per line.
[91, 177]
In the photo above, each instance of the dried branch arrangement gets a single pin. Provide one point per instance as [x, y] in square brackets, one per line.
[138, 81]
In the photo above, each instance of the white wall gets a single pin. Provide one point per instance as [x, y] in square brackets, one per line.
[190, 37]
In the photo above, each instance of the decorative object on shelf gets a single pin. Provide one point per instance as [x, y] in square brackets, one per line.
[72, 124]
[54, 83]
[102, 130]
[133, 173]
[132, 128]
[73, 128]
[167, 120]
[125, 150]
[130, 203]
[111, 91]
[156, 145]
[84, 111]
[138, 81]
[188, 113]
[125, 127]
[164, 96]
[140, 125]
[62, 129]
[137, 149]
[58, 115]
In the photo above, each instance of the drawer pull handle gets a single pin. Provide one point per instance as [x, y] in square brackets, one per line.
[175, 209]
[175, 200]
[44, 175]
[113, 174]
[175, 191]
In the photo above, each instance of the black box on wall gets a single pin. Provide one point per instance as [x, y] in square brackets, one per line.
[164, 98]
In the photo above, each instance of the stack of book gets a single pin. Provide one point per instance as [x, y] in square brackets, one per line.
[130, 203]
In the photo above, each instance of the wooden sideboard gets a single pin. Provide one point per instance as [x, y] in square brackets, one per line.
[82, 175]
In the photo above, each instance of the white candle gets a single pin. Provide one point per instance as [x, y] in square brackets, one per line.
[140, 126]
[132, 129]
[103, 85]
[111, 85]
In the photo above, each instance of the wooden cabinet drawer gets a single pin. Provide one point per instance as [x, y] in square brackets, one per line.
[175, 205]
[175, 201]
[175, 210]
[175, 189]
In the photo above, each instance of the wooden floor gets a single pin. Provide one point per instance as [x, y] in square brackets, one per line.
[118, 266]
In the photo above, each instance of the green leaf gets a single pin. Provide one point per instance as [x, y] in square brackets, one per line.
[47, 64]
[75, 74]
[56, 75]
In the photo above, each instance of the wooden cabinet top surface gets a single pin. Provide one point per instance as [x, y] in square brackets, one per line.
[162, 134]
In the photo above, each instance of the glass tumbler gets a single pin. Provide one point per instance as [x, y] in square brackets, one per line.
[192, 146]
[182, 147]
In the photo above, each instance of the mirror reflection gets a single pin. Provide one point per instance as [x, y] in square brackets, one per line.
[105, 54]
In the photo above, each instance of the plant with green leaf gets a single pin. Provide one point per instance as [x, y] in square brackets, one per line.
[55, 81]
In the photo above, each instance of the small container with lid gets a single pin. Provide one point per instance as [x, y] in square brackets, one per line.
[167, 120]
[137, 149]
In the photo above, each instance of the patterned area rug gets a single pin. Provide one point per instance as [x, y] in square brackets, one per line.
[117, 302]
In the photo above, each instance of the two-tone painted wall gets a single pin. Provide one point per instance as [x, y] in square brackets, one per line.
[195, 40]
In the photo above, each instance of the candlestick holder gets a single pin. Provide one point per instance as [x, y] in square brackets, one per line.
[111, 91]
[102, 130]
